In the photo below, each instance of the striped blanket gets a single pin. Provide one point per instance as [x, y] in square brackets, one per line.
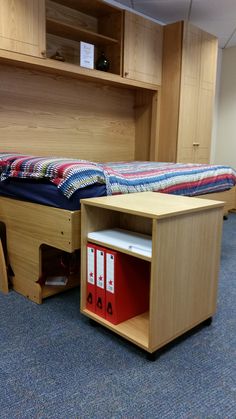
[175, 178]
[70, 175]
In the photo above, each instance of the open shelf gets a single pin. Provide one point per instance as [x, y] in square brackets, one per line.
[95, 8]
[120, 249]
[94, 22]
[74, 33]
[56, 67]
[130, 243]
[135, 329]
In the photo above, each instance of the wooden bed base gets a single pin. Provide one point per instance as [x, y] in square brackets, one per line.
[29, 226]
[229, 197]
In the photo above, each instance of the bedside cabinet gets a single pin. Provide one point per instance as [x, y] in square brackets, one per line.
[183, 237]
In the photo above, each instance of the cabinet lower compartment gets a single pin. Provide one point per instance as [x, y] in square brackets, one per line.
[135, 329]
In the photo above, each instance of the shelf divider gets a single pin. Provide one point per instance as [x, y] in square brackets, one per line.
[75, 33]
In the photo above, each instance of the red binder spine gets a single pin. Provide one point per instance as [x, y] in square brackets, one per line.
[100, 307]
[127, 286]
[110, 287]
[91, 277]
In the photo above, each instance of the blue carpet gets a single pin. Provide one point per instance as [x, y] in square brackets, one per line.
[54, 364]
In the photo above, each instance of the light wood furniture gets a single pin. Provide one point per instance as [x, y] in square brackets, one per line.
[229, 198]
[3, 271]
[142, 49]
[60, 25]
[46, 115]
[188, 87]
[46, 101]
[22, 27]
[184, 265]
[96, 22]
[53, 108]
[28, 227]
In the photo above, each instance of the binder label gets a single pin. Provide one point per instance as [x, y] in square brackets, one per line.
[110, 282]
[90, 265]
[100, 269]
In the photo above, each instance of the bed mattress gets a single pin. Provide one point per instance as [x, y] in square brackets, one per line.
[46, 193]
[62, 182]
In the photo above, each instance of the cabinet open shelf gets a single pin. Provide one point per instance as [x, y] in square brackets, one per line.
[130, 243]
[119, 249]
[74, 33]
[96, 23]
[71, 70]
[135, 329]
[95, 8]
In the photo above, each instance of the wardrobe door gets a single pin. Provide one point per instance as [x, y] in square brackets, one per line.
[189, 96]
[207, 80]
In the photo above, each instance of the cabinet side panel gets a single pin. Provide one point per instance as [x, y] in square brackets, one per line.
[186, 251]
[171, 77]
[143, 117]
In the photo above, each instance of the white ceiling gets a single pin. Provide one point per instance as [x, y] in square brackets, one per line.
[215, 16]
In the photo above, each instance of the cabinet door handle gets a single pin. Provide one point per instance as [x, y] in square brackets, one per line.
[196, 144]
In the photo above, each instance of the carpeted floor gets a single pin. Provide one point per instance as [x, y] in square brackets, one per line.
[54, 364]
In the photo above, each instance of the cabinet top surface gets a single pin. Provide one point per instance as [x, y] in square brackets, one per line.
[153, 204]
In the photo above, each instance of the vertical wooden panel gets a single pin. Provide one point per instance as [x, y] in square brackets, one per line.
[46, 114]
[170, 91]
[184, 293]
[145, 125]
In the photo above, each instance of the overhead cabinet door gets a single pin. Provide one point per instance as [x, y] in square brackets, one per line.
[142, 49]
[22, 26]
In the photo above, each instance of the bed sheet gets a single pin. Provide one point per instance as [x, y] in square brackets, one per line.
[45, 193]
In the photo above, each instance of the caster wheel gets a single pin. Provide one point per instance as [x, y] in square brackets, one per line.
[208, 321]
[93, 323]
[153, 356]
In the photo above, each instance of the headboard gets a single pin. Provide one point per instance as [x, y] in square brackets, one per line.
[48, 114]
[45, 114]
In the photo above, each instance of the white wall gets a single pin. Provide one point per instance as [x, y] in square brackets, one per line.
[224, 148]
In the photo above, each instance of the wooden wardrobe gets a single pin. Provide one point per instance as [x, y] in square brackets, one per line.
[188, 88]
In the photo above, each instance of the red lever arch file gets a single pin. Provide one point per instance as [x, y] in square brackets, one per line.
[127, 286]
[91, 278]
[100, 307]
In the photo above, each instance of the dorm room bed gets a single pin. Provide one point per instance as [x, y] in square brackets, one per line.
[40, 202]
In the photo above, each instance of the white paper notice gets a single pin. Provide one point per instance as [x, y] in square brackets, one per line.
[86, 55]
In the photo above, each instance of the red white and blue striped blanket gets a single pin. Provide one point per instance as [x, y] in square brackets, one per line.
[70, 175]
[174, 178]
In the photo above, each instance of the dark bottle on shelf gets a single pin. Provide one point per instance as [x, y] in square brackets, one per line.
[102, 63]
